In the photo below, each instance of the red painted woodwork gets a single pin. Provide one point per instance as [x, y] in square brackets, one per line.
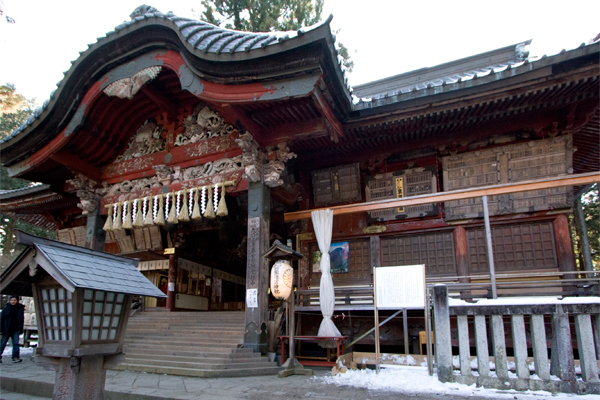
[185, 156]
[564, 247]
[461, 253]
[242, 185]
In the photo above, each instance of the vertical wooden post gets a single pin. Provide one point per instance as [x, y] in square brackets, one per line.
[257, 267]
[172, 285]
[94, 234]
[540, 347]
[585, 345]
[519, 345]
[564, 248]
[443, 341]
[490, 247]
[481, 343]
[464, 349]
[461, 255]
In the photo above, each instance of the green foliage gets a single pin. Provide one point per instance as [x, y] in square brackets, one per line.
[267, 16]
[14, 109]
[591, 211]
[262, 15]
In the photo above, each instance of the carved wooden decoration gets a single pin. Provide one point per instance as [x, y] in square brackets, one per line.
[86, 191]
[126, 88]
[267, 166]
[203, 123]
[147, 140]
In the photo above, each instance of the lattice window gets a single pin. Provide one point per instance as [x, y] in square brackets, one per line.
[57, 303]
[101, 315]
[516, 248]
[435, 250]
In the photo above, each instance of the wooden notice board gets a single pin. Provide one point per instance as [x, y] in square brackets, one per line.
[401, 287]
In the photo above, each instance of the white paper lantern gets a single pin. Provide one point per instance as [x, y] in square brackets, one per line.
[282, 277]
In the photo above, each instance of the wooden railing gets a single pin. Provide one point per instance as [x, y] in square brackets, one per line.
[527, 329]
[580, 283]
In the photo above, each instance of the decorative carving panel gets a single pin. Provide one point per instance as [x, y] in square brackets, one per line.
[399, 184]
[506, 164]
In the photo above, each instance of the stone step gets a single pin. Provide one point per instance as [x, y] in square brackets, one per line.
[187, 343]
[200, 364]
[253, 357]
[200, 373]
[186, 326]
[187, 351]
[189, 339]
[221, 349]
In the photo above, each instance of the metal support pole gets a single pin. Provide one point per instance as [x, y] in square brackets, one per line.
[490, 248]
[376, 320]
[405, 328]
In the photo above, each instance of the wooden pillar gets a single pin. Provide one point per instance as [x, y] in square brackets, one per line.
[461, 255]
[257, 267]
[94, 232]
[172, 285]
[564, 247]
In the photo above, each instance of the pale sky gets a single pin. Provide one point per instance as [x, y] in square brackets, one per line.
[385, 37]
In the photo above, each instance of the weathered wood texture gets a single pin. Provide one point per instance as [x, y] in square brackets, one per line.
[493, 190]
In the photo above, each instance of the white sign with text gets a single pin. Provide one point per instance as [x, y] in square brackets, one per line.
[400, 287]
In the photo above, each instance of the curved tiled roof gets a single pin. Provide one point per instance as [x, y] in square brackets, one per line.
[210, 41]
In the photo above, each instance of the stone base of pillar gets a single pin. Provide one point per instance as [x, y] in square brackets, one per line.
[80, 378]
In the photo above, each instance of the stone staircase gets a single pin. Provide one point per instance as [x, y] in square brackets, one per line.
[200, 344]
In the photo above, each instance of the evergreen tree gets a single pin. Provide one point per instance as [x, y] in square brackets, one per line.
[590, 201]
[14, 110]
[267, 16]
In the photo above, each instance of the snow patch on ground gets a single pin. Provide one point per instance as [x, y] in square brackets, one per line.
[416, 381]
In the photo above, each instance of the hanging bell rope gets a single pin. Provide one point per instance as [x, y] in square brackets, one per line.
[222, 209]
[184, 215]
[127, 222]
[117, 224]
[196, 215]
[149, 220]
[183, 205]
[172, 219]
[210, 210]
[108, 225]
[160, 215]
[138, 221]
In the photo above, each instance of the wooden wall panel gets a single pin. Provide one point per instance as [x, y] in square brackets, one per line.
[435, 250]
[516, 248]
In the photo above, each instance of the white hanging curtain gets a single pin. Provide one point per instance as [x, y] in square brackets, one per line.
[323, 223]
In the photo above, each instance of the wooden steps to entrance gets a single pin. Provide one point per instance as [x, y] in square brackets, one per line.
[200, 344]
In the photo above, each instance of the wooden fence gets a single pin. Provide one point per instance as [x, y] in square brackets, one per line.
[486, 325]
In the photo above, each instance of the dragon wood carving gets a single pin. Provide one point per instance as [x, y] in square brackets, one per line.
[267, 166]
[203, 123]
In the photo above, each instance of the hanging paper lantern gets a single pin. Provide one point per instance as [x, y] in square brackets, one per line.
[282, 277]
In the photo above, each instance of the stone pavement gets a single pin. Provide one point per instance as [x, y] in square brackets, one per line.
[28, 381]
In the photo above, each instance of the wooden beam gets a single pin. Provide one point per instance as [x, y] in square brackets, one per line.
[160, 99]
[560, 181]
[72, 161]
[336, 126]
